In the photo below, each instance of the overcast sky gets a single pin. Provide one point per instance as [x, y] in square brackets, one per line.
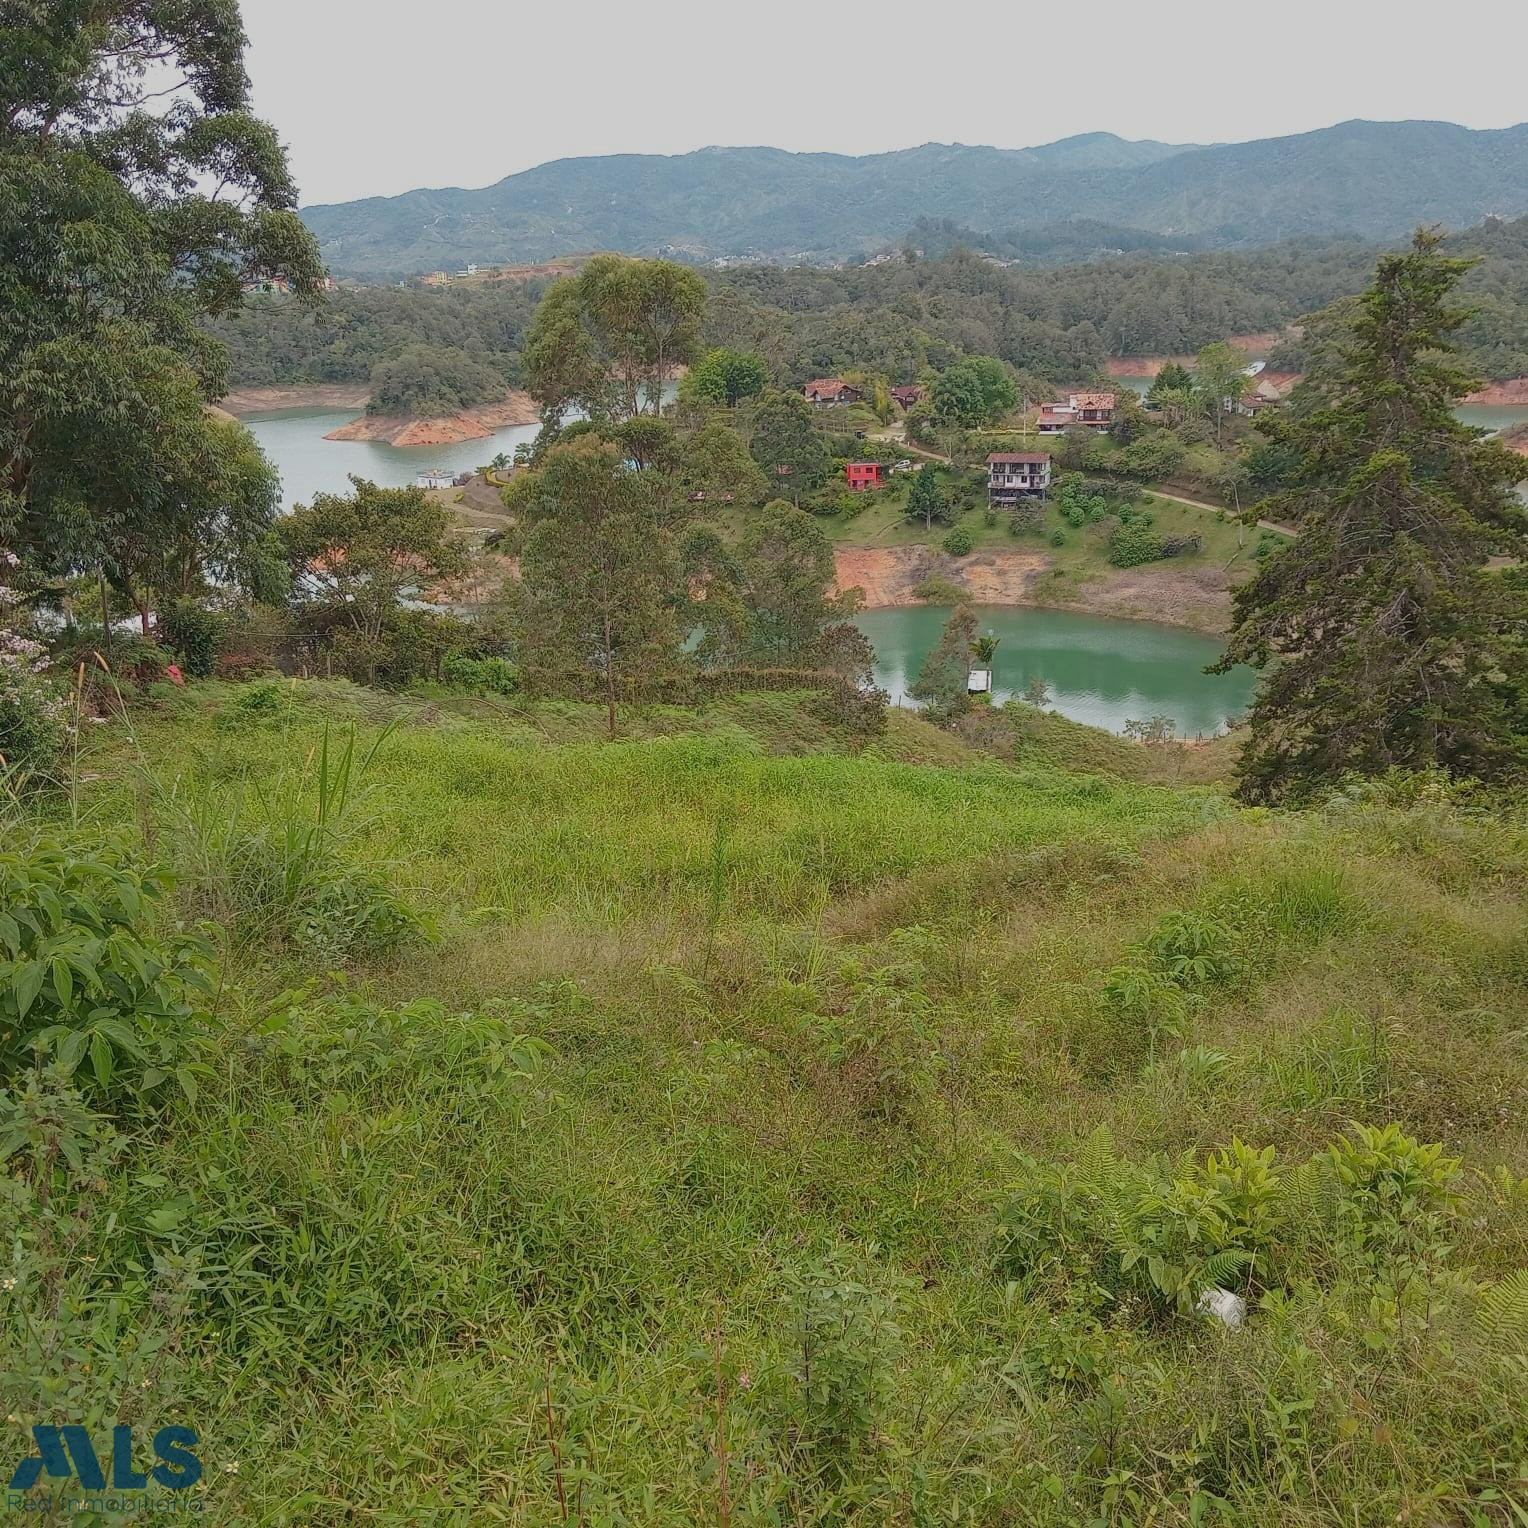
[379, 97]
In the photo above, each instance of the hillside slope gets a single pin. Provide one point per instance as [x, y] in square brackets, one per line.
[1374, 179]
[771, 1133]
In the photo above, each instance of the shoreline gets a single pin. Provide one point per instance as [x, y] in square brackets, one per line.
[1185, 597]
[517, 408]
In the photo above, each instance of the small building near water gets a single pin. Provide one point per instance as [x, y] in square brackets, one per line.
[979, 682]
[435, 477]
[861, 476]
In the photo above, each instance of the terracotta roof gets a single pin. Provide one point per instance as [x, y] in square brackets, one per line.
[1004, 457]
[1095, 400]
[823, 385]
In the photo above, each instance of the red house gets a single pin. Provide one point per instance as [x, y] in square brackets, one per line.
[863, 475]
[907, 396]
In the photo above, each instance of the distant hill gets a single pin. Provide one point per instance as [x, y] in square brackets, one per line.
[1374, 179]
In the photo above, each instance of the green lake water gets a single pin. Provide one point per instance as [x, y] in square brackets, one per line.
[294, 440]
[1101, 671]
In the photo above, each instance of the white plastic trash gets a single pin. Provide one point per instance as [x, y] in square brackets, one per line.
[1224, 1306]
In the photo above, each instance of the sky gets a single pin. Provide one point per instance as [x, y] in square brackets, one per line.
[383, 96]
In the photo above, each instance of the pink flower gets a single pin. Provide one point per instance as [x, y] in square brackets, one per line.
[174, 675]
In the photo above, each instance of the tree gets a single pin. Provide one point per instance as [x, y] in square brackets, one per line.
[1394, 643]
[984, 649]
[786, 443]
[137, 194]
[975, 391]
[1220, 380]
[210, 517]
[926, 500]
[362, 550]
[604, 341]
[716, 463]
[603, 586]
[1171, 379]
[724, 376]
[431, 380]
[942, 682]
[786, 584]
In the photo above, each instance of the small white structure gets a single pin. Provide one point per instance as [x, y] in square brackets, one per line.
[434, 477]
[979, 682]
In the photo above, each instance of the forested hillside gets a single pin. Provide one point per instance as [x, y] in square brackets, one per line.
[1369, 179]
[906, 316]
[275, 340]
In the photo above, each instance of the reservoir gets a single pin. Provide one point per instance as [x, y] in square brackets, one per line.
[1098, 670]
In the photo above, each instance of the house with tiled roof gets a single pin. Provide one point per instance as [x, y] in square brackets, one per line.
[1095, 411]
[1012, 475]
[823, 392]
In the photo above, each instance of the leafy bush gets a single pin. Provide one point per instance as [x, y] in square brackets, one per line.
[482, 676]
[1182, 546]
[85, 977]
[959, 542]
[1028, 515]
[1058, 538]
[34, 712]
[195, 634]
[1132, 544]
[845, 1341]
[1078, 502]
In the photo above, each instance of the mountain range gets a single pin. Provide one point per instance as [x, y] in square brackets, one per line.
[1373, 179]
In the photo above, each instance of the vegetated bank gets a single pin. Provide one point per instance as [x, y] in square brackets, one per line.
[725, 1124]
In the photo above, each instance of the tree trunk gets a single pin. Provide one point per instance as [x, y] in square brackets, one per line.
[609, 677]
[105, 612]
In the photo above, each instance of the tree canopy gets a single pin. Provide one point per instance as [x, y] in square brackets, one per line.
[137, 194]
[605, 341]
[1388, 641]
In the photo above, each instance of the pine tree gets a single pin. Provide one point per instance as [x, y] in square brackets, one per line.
[942, 682]
[1389, 642]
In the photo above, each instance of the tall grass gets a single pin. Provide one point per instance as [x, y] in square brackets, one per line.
[771, 1109]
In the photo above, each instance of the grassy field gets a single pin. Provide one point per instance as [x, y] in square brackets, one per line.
[726, 1126]
[883, 522]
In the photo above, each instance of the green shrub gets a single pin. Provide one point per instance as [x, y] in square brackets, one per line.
[481, 676]
[1028, 515]
[1058, 538]
[34, 713]
[195, 635]
[1133, 544]
[958, 542]
[85, 978]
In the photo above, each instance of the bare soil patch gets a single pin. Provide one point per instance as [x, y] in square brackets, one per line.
[478, 423]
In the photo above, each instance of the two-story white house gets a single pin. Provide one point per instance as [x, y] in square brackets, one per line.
[1012, 475]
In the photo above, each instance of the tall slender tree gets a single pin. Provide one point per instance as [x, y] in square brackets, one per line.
[603, 586]
[1388, 640]
[943, 682]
